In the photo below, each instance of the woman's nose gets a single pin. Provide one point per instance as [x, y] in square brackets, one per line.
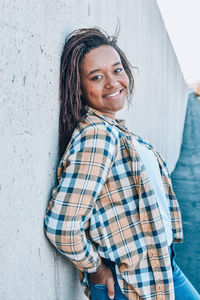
[110, 82]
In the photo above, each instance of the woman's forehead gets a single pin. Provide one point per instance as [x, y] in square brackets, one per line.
[100, 56]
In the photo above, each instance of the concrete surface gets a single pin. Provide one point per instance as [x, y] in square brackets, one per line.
[183, 34]
[32, 35]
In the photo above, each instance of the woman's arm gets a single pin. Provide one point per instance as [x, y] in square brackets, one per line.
[87, 166]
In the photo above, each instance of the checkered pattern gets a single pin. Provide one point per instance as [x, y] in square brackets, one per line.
[105, 206]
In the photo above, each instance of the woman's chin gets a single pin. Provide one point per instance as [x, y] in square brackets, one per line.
[118, 106]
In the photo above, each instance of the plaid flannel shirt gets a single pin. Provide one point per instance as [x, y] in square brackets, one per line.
[104, 206]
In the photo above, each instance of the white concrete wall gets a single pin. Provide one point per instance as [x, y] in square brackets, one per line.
[31, 35]
[183, 34]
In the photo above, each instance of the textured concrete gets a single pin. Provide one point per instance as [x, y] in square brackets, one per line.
[32, 35]
[186, 183]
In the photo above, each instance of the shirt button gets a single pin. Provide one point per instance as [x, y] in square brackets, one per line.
[122, 268]
[152, 253]
[159, 288]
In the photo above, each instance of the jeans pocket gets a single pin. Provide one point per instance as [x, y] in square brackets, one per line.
[100, 286]
[98, 291]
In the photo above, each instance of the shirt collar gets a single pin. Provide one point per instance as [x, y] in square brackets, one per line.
[118, 122]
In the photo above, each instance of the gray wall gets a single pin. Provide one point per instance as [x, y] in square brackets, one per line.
[32, 35]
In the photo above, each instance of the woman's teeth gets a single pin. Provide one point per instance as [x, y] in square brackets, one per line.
[112, 95]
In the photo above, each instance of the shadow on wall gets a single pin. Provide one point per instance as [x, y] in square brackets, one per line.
[186, 184]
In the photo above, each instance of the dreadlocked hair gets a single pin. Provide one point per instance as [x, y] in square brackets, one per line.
[72, 103]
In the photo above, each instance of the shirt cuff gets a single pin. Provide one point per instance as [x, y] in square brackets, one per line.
[92, 269]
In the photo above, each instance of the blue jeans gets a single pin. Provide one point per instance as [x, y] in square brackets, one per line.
[184, 290]
[99, 291]
[182, 286]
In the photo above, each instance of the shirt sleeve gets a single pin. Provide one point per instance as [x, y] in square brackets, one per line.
[86, 167]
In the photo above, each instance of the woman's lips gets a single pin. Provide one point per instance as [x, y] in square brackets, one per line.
[113, 94]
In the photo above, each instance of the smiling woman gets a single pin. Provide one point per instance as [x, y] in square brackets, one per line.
[113, 213]
[104, 81]
[80, 46]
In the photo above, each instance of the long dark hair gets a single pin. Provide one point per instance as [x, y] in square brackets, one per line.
[72, 103]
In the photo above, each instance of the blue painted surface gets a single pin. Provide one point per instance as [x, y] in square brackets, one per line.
[186, 184]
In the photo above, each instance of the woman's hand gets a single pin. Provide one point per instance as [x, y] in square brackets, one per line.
[104, 276]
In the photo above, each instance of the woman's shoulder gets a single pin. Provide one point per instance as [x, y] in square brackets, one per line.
[92, 133]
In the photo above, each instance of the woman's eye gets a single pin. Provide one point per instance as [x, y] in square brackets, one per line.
[97, 77]
[118, 70]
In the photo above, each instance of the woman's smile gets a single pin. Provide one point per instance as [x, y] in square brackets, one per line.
[113, 94]
[104, 81]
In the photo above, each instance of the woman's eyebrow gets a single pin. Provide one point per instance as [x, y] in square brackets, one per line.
[97, 70]
[117, 63]
[93, 71]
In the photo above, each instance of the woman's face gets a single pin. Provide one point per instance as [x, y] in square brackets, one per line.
[104, 81]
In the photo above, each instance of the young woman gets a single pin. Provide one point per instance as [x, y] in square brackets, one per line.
[113, 213]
